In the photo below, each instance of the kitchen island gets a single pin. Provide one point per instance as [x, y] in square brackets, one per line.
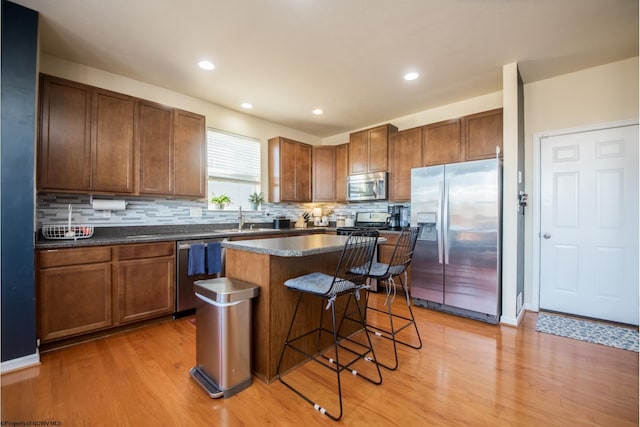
[269, 263]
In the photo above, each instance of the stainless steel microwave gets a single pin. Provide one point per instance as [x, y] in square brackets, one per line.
[367, 186]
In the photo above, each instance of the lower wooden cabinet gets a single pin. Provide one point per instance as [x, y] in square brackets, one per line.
[95, 288]
[74, 292]
[145, 280]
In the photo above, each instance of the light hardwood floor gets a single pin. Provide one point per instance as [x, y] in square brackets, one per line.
[468, 373]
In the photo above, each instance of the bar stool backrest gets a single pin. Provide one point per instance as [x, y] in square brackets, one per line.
[355, 261]
[403, 251]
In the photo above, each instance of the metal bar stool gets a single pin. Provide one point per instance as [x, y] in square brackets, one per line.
[349, 349]
[388, 273]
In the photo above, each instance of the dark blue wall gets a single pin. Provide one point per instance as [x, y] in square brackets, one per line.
[19, 50]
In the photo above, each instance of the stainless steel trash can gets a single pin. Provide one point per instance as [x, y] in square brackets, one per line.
[223, 335]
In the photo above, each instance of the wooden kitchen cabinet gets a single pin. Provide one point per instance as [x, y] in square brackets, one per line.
[324, 173]
[482, 133]
[171, 150]
[405, 150]
[73, 292]
[82, 290]
[441, 143]
[98, 141]
[342, 171]
[368, 149]
[145, 280]
[289, 170]
[155, 148]
[64, 136]
[112, 142]
[189, 154]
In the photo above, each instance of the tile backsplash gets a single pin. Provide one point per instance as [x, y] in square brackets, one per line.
[53, 209]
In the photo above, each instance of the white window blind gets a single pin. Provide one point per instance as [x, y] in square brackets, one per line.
[233, 163]
[233, 157]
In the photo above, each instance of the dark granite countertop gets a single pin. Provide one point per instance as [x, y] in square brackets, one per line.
[294, 246]
[162, 233]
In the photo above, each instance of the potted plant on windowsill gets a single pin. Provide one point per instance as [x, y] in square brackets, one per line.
[220, 201]
[256, 199]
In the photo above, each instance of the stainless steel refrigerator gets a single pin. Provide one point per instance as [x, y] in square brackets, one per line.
[456, 265]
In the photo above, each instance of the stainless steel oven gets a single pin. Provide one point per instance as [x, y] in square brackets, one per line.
[185, 297]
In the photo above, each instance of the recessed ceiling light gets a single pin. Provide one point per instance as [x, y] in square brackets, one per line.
[206, 65]
[246, 105]
[318, 111]
[411, 76]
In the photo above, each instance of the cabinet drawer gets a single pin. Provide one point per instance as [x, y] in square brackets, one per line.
[60, 257]
[145, 250]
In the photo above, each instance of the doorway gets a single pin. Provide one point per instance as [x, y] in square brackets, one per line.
[587, 222]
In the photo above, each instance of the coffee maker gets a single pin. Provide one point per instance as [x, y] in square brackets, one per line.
[398, 216]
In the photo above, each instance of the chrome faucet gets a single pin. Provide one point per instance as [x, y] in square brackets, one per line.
[240, 218]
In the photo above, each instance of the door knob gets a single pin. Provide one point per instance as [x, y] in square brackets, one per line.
[546, 235]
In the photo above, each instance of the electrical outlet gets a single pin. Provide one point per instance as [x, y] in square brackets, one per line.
[106, 214]
[196, 212]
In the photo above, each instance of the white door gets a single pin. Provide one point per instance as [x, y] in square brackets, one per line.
[589, 224]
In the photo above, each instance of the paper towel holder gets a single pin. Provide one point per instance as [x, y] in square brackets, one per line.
[107, 204]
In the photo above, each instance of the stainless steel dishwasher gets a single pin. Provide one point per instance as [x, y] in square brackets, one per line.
[185, 297]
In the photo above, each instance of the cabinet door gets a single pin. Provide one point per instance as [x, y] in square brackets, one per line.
[146, 288]
[64, 142]
[287, 170]
[404, 154]
[342, 171]
[324, 174]
[189, 154]
[483, 132]
[358, 152]
[441, 143]
[73, 300]
[303, 172]
[378, 149]
[155, 148]
[112, 142]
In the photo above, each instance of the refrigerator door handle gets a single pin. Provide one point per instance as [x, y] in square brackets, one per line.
[445, 222]
[439, 233]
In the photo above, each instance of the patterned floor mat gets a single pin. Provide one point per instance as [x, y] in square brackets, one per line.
[585, 330]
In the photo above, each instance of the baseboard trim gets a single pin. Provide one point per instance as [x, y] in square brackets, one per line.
[20, 363]
[513, 321]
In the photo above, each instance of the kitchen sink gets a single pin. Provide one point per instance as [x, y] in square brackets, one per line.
[244, 230]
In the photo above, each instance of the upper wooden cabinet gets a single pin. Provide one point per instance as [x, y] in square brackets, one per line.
[289, 171]
[441, 143]
[342, 171]
[94, 140]
[324, 173]
[482, 133]
[155, 148]
[112, 142]
[171, 151]
[64, 137]
[368, 149]
[404, 154]
[189, 154]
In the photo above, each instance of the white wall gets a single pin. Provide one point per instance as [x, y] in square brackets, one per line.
[607, 93]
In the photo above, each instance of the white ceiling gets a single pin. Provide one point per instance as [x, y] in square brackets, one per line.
[348, 57]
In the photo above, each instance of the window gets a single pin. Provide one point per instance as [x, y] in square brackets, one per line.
[233, 163]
